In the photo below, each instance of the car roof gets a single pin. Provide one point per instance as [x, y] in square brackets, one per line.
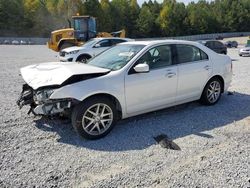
[102, 38]
[153, 42]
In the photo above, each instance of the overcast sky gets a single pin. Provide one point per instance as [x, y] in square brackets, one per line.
[160, 1]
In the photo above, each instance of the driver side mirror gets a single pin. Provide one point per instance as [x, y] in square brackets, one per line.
[141, 68]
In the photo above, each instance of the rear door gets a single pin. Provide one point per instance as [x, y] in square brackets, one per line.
[194, 69]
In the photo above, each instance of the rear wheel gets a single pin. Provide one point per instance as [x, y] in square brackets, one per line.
[94, 118]
[212, 92]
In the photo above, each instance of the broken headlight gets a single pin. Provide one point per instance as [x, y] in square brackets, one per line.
[43, 95]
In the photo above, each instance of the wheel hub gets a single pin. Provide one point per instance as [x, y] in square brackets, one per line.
[97, 118]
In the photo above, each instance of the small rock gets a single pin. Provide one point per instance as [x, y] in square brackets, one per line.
[203, 157]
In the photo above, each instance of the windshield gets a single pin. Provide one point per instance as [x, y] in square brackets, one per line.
[80, 24]
[117, 57]
[90, 42]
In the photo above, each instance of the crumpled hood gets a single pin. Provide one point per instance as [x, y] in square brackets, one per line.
[73, 48]
[56, 73]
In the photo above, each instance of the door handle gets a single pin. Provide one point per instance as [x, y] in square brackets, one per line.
[207, 67]
[170, 74]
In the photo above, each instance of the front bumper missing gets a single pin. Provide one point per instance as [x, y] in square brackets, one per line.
[52, 107]
[47, 107]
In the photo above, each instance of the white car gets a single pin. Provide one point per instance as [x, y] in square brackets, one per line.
[90, 49]
[23, 42]
[15, 42]
[245, 51]
[129, 79]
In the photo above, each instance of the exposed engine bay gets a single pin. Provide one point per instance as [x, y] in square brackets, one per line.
[39, 101]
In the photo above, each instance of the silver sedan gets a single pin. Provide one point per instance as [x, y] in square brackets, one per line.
[245, 51]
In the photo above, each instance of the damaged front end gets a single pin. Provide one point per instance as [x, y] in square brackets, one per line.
[40, 102]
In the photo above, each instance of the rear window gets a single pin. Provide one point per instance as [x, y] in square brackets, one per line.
[204, 56]
[218, 44]
[189, 53]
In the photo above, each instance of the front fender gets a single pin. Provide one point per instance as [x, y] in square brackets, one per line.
[87, 88]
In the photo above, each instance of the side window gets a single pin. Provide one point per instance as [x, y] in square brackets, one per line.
[117, 41]
[104, 43]
[204, 56]
[157, 57]
[209, 44]
[187, 53]
[218, 44]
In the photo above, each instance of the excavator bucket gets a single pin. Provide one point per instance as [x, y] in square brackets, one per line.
[120, 33]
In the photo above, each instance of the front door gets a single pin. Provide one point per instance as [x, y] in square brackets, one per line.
[156, 88]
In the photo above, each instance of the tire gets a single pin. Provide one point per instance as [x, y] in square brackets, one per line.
[83, 58]
[89, 125]
[212, 92]
[65, 45]
[240, 54]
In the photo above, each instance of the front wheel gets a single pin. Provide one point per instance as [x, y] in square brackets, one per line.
[212, 92]
[94, 118]
[83, 58]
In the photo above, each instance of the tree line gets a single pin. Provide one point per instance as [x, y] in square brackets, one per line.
[151, 19]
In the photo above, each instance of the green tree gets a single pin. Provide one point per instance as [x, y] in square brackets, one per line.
[120, 14]
[106, 20]
[145, 23]
[153, 19]
[202, 18]
[133, 13]
[172, 18]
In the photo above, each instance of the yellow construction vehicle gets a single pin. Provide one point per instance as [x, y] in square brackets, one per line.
[84, 28]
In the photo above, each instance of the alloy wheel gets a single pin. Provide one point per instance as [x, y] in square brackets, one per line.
[97, 119]
[213, 91]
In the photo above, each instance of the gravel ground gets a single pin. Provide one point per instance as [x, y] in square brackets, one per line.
[37, 152]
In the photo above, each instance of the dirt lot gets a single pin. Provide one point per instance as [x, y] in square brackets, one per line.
[214, 141]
